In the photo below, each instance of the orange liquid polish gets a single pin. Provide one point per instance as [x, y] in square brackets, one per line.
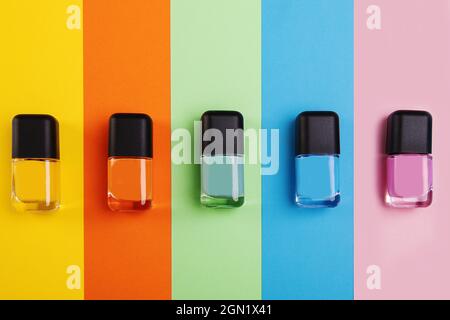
[130, 162]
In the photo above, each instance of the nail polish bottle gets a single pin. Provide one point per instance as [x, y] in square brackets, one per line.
[317, 150]
[409, 161]
[35, 163]
[222, 160]
[130, 162]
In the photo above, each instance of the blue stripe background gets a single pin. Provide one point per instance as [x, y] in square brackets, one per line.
[307, 64]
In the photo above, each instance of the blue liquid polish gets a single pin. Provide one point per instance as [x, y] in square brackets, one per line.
[317, 181]
[317, 150]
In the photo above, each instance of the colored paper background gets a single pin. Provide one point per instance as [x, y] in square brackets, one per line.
[127, 69]
[41, 65]
[307, 50]
[215, 65]
[405, 65]
[268, 59]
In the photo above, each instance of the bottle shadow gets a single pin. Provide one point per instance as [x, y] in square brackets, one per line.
[381, 162]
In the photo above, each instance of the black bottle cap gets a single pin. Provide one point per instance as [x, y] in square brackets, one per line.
[223, 121]
[130, 135]
[409, 132]
[35, 136]
[317, 132]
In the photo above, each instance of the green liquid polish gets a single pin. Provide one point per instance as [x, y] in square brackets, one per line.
[222, 181]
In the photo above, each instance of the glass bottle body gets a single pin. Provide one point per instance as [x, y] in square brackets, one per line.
[317, 181]
[35, 184]
[129, 183]
[409, 180]
[222, 181]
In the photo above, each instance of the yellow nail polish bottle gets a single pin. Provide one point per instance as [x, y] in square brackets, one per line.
[35, 163]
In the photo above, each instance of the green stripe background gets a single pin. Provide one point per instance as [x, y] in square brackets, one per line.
[216, 64]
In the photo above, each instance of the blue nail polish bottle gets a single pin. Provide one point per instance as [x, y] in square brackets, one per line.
[222, 160]
[317, 152]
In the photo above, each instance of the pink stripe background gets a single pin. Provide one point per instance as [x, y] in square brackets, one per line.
[405, 65]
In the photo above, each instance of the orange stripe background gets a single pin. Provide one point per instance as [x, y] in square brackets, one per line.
[126, 69]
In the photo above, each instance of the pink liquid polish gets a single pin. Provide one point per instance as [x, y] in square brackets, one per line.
[409, 160]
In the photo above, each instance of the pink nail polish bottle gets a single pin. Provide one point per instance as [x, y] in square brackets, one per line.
[409, 160]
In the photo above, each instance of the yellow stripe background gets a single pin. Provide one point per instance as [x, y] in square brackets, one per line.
[41, 71]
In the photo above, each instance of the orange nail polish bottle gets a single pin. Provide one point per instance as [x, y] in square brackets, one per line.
[130, 162]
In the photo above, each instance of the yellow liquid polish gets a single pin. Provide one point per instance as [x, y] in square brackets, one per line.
[35, 184]
[35, 163]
